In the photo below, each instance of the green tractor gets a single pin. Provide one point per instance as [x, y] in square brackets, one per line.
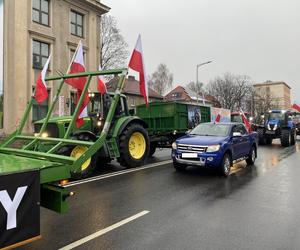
[127, 139]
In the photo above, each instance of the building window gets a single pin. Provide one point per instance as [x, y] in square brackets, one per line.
[39, 110]
[40, 54]
[40, 11]
[76, 23]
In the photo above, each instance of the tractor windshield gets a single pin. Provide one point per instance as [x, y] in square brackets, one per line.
[276, 116]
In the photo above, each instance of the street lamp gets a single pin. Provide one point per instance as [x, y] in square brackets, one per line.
[199, 65]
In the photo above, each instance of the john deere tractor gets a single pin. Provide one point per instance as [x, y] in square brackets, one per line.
[277, 124]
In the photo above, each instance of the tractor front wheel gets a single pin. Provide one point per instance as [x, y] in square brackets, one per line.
[286, 137]
[134, 146]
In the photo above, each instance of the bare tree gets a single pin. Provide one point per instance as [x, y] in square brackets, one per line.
[232, 91]
[196, 87]
[161, 79]
[262, 101]
[113, 46]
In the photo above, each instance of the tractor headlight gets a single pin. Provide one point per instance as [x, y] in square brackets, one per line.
[275, 127]
[269, 128]
[44, 135]
[174, 145]
[213, 148]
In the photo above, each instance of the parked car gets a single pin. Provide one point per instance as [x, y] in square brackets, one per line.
[215, 145]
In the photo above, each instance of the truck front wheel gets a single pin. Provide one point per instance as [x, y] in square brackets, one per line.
[226, 165]
[251, 157]
[134, 146]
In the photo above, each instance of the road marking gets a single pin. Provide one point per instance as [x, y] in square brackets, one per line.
[105, 176]
[104, 231]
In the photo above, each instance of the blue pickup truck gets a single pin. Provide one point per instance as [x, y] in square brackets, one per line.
[215, 145]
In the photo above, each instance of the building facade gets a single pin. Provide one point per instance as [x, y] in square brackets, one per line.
[271, 95]
[34, 29]
[184, 94]
[132, 92]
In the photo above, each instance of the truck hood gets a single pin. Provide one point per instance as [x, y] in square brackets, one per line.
[201, 140]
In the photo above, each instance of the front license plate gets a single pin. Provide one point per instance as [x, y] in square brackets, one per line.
[270, 132]
[189, 155]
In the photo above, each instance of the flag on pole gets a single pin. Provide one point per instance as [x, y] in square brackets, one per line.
[296, 106]
[137, 63]
[41, 93]
[245, 121]
[218, 118]
[77, 66]
[101, 84]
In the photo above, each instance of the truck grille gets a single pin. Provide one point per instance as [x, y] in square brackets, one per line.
[191, 148]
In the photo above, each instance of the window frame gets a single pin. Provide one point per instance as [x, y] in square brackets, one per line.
[72, 11]
[40, 55]
[41, 12]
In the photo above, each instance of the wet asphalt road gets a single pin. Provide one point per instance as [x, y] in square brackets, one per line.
[256, 207]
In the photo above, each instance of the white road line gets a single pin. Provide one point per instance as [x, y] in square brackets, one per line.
[104, 231]
[105, 176]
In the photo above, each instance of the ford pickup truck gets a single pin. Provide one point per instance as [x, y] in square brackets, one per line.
[215, 145]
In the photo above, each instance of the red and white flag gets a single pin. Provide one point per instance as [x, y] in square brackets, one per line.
[101, 84]
[218, 118]
[137, 63]
[245, 121]
[296, 106]
[41, 93]
[77, 66]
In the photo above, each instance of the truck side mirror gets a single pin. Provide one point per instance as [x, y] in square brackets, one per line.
[236, 134]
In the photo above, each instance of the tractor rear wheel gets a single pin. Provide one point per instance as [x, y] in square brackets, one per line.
[261, 139]
[286, 137]
[134, 146]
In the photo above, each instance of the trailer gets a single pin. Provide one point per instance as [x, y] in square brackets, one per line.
[167, 121]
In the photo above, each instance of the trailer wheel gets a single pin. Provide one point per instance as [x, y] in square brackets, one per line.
[261, 139]
[134, 146]
[286, 137]
[153, 146]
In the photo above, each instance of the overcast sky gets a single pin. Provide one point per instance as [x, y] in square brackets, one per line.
[259, 38]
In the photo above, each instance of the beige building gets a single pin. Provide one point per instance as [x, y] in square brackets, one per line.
[32, 29]
[272, 95]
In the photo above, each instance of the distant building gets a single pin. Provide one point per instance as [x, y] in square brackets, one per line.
[184, 94]
[132, 91]
[271, 95]
[31, 30]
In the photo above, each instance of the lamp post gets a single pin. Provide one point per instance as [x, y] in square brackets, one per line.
[199, 65]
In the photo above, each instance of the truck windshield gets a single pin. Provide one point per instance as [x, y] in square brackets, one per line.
[210, 129]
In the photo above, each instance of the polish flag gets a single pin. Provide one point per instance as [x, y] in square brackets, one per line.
[246, 122]
[218, 118]
[101, 84]
[296, 106]
[41, 93]
[77, 66]
[137, 63]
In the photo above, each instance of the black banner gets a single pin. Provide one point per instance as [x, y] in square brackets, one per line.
[19, 207]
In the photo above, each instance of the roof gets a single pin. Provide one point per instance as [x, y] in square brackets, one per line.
[98, 6]
[267, 83]
[131, 86]
[192, 94]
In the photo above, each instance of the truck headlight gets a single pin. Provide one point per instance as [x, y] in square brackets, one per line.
[213, 148]
[174, 145]
[44, 135]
